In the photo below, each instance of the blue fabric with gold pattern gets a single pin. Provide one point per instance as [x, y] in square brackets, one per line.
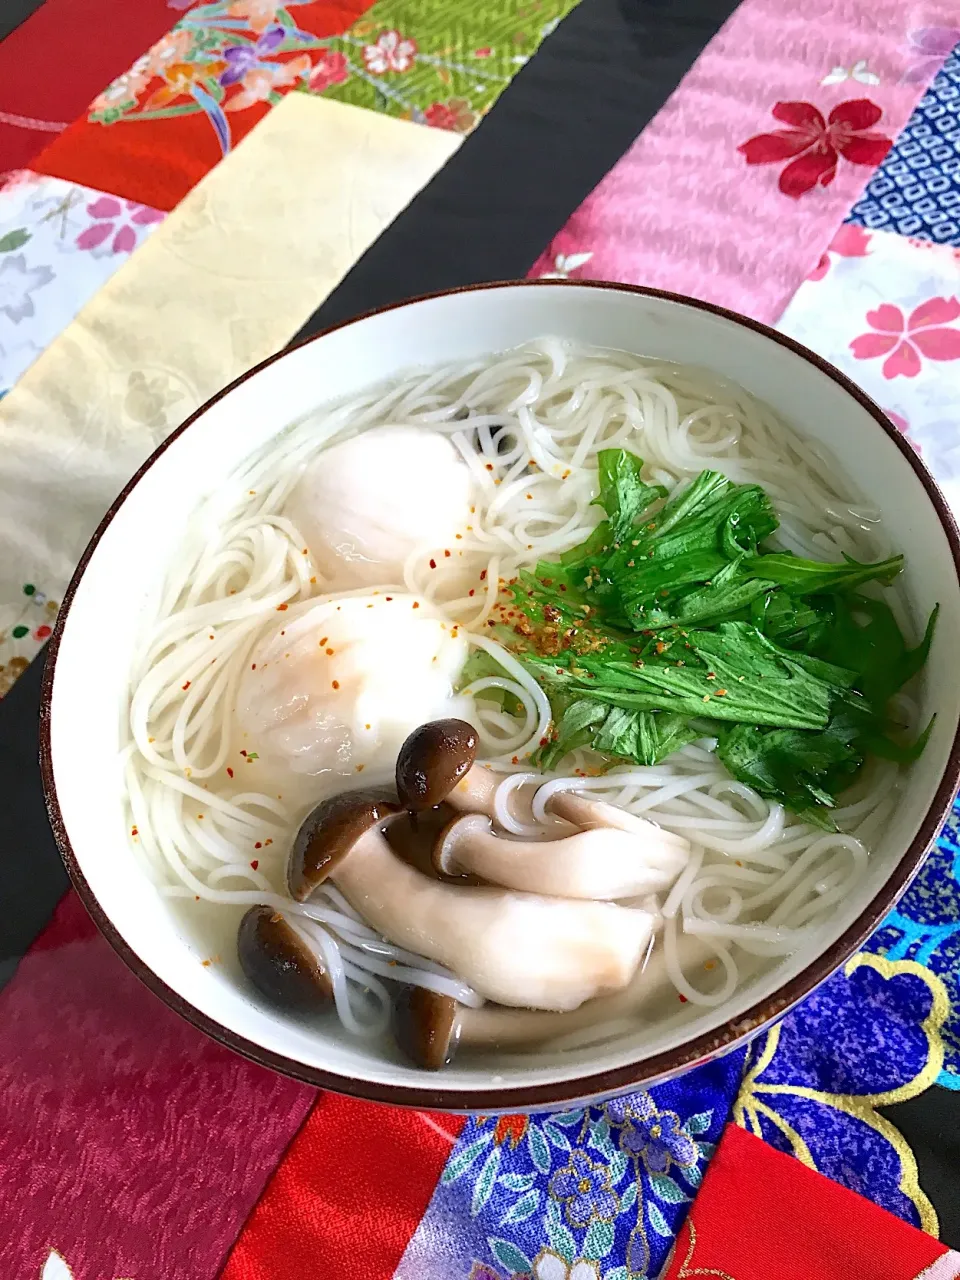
[600, 1193]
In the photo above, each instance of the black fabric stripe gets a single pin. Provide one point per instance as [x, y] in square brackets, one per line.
[16, 12]
[556, 130]
[931, 1125]
[561, 124]
[33, 877]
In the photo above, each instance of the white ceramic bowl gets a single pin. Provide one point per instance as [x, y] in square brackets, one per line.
[92, 647]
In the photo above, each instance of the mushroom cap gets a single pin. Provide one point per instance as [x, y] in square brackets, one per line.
[458, 829]
[426, 1026]
[280, 964]
[432, 761]
[329, 832]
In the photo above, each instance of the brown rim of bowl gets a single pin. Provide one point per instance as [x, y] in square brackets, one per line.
[616, 1079]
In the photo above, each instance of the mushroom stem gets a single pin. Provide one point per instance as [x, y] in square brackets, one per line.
[515, 948]
[602, 863]
[430, 1028]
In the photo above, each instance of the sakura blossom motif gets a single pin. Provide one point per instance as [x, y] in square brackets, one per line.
[564, 263]
[932, 46]
[455, 114]
[120, 219]
[851, 241]
[330, 68]
[859, 72]
[56, 1268]
[905, 340]
[17, 283]
[390, 53]
[815, 145]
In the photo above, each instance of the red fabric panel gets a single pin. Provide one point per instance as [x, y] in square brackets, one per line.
[156, 162]
[129, 1142]
[53, 65]
[348, 1196]
[762, 1214]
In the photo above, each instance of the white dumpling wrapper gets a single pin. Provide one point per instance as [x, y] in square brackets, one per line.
[330, 695]
[364, 505]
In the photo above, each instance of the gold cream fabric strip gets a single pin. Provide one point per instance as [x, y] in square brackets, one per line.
[226, 281]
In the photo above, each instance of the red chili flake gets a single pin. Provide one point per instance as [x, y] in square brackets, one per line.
[491, 622]
[258, 845]
[447, 554]
[388, 597]
[471, 592]
[243, 753]
[329, 652]
[185, 686]
[711, 675]
[253, 666]
[483, 575]
[544, 741]
[682, 998]
[721, 693]
[134, 831]
[304, 552]
[459, 537]
[416, 604]
[489, 466]
[529, 497]
[196, 897]
[562, 587]
[229, 772]
[324, 641]
[41, 633]
[255, 863]
[281, 608]
[660, 646]
[433, 564]
[335, 684]
[268, 842]
[515, 760]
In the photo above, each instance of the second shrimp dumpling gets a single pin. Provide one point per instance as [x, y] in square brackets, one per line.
[331, 694]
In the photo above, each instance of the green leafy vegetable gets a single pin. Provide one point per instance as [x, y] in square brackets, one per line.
[624, 495]
[672, 613]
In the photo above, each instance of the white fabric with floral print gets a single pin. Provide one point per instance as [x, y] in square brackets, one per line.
[59, 242]
[885, 310]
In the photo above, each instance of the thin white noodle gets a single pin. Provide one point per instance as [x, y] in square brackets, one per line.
[529, 424]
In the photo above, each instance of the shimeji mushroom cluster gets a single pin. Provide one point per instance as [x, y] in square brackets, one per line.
[535, 926]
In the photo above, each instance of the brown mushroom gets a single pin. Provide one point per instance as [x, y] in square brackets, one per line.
[280, 964]
[329, 833]
[432, 760]
[603, 863]
[521, 949]
[430, 1028]
[426, 1026]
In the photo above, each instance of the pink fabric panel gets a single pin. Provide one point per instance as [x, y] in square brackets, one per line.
[161, 1140]
[674, 211]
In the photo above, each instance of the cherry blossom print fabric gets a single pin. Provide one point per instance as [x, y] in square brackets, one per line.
[885, 310]
[731, 193]
[59, 243]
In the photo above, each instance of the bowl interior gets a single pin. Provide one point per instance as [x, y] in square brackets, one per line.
[130, 560]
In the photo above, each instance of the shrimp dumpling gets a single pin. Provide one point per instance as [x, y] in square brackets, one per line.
[365, 504]
[331, 694]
